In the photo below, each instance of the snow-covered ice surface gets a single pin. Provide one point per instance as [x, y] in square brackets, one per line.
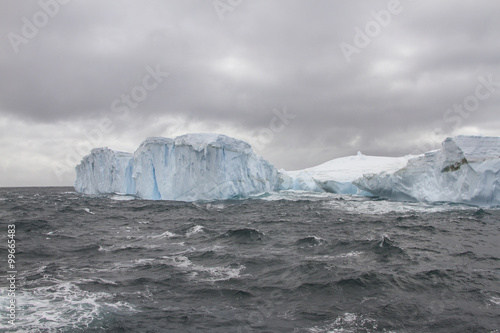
[337, 176]
[196, 167]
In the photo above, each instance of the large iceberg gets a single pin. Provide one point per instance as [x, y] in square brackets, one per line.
[215, 167]
[190, 167]
[465, 170]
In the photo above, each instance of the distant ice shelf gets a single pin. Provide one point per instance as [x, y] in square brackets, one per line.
[207, 166]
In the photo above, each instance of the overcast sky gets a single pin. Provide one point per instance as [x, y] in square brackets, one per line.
[302, 81]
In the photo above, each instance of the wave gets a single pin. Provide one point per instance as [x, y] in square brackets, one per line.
[375, 206]
[204, 273]
[244, 235]
[328, 258]
[194, 230]
[347, 323]
[495, 300]
[213, 206]
[384, 248]
[63, 306]
[87, 249]
[309, 241]
[166, 234]
[386, 242]
[295, 195]
[32, 225]
[87, 210]
[124, 248]
[122, 197]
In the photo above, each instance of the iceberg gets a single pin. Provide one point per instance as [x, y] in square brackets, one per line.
[191, 167]
[465, 170]
[206, 166]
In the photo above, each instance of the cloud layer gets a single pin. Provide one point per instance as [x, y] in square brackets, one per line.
[81, 74]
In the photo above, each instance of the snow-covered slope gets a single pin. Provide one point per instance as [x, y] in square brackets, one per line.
[189, 167]
[337, 176]
[465, 170]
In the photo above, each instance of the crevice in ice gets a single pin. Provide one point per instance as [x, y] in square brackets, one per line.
[156, 192]
[455, 166]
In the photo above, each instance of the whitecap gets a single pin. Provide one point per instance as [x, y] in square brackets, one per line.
[203, 273]
[97, 280]
[213, 248]
[295, 195]
[218, 206]
[362, 205]
[495, 300]
[178, 261]
[62, 306]
[89, 211]
[347, 323]
[143, 261]
[122, 197]
[166, 234]
[352, 254]
[194, 230]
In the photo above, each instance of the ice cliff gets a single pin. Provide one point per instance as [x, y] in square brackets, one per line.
[188, 168]
[105, 171]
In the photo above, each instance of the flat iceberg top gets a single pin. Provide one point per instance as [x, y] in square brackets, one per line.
[106, 150]
[346, 169]
[157, 140]
[478, 147]
[199, 141]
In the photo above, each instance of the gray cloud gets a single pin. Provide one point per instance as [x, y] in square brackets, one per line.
[228, 75]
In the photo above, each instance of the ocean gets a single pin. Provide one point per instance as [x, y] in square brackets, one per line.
[287, 262]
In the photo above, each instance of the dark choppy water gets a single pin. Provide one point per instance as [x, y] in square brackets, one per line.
[324, 263]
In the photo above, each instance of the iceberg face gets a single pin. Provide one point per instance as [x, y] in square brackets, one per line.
[105, 171]
[188, 168]
[465, 170]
